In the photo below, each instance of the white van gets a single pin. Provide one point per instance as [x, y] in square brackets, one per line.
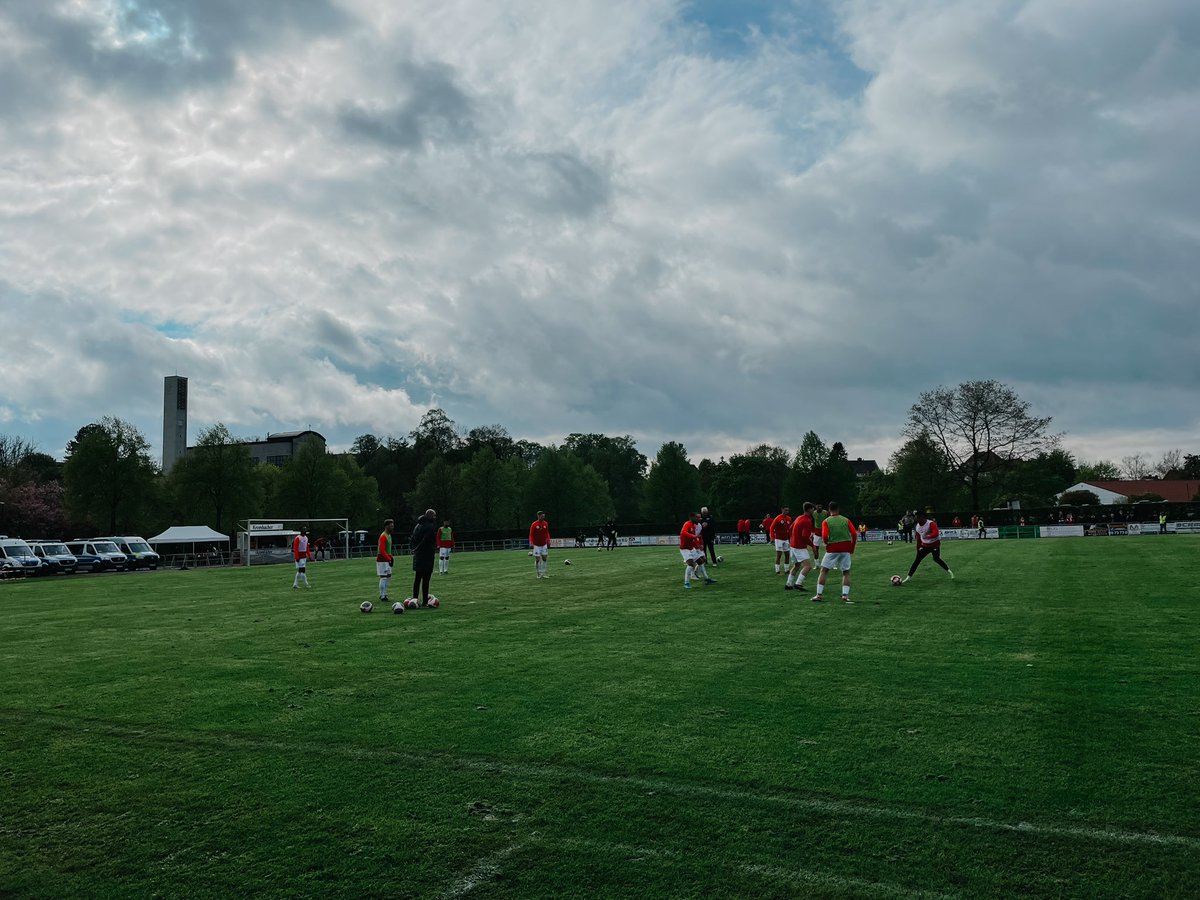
[138, 552]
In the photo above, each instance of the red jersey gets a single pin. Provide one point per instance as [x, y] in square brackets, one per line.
[385, 549]
[802, 532]
[927, 534]
[539, 533]
[300, 548]
[781, 527]
[766, 524]
[689, 536]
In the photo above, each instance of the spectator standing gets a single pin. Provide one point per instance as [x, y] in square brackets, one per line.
[424, 546]
[1162, 523]
[708, 533]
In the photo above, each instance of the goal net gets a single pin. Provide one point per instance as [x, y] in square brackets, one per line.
[268, 541]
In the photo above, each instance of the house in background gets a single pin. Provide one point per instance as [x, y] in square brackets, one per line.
[1175, 490]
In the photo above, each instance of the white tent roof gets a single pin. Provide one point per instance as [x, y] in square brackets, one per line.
[187, 534]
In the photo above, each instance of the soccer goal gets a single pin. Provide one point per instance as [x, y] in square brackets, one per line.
[268, 541]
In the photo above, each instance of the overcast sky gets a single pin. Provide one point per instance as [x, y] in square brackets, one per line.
[716, 222]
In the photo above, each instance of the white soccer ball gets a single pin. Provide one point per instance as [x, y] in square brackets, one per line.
[434, 602]
[367, 606]
[720, 559]
[566, 562]
[897, 581]
[397, 607]
[412, 603]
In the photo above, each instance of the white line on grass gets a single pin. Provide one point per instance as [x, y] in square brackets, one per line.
[484, 870]
[847, 808]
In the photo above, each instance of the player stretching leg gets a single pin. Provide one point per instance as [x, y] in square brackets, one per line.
[929, 543]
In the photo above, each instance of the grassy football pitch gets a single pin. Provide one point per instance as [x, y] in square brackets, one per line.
[1030, 728]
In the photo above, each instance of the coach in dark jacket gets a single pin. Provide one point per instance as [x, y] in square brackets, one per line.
[423, 544]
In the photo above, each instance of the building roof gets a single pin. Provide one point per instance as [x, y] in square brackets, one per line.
[1174, 490]
[863, 467]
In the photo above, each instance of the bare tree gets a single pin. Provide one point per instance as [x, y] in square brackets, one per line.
[1135, 467]
[1170, 465]
[983, 427]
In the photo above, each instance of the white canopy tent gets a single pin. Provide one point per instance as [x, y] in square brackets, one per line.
[190, 534]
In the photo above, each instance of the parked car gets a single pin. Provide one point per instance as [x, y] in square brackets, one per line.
[19, 556]
[56, 558]
[96, 555]
[138, 553]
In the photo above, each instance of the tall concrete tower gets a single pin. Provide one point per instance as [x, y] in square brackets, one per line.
[174, 420]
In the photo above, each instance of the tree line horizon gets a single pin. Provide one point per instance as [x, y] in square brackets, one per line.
[966, 449]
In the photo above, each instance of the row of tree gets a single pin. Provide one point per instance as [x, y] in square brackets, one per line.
[966, 449]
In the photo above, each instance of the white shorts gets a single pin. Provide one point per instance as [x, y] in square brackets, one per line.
[816, 542]
[837, 561]
[542, 551]
[783, 546]
[799, 554]
[444, 552]
[383, 569]
[689, 555]
[300, 564]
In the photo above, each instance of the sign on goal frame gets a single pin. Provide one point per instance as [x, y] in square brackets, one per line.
[278, 527]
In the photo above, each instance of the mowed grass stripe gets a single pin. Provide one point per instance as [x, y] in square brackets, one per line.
[1028, 728]
[419, 757]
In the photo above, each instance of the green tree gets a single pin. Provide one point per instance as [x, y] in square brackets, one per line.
[877, 494]
[437, 489]
[1079, 498]
[108, 475]
[923, 476]
[489, 491]
[316, 484]
[807, 478]
[983, 429]
[1038, 481]
[673, 485]
[841, 484]
[494, 436]
[619, 463]
[435, 435]
[571, 493]
[751, 482]
[1100, 470]
[215, 480]
[1191, 466]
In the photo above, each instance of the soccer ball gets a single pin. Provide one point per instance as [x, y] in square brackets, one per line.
[434, 602]
[889, 543]
[897, 581]
[566, 562]
[366, 606]
[412, 603]
[720, 559]
[531, 553]
[397, 607]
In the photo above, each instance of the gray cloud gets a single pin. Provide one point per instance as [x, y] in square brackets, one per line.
[613, 233]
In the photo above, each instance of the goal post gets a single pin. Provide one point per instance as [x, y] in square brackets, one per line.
[268, 541]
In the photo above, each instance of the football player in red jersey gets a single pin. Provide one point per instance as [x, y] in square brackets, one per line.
[929, 543]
